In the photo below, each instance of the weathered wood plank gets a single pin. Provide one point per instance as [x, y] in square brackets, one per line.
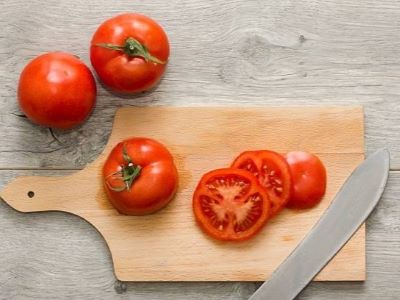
[243, 53]
[57, 255]
[223, 53]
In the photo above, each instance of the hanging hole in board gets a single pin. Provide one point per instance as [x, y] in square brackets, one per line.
[31, 194]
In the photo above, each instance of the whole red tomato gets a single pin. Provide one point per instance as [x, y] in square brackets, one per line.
[140, 176]
[129, 53]
[308, 179]
[56, 90]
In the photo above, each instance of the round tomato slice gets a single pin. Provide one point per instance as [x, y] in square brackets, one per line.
[272, 171]
[230, 205]
[309, 179]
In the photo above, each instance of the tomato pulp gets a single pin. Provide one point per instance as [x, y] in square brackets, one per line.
[272, 172]
[229, 204]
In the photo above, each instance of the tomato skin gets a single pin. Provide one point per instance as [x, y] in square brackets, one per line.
[119, 71]
[56, 90]
[272, 171]
[232, 204]
[157, 183]
[309, 179]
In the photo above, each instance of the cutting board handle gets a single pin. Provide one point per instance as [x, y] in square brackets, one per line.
[76, 193]
[28, 193]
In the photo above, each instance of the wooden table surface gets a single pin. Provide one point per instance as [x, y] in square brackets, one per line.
[222, 53]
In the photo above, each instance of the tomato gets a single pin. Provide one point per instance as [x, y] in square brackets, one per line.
[129, 53]
[309, 179]
[272, 171]
[140, 176]
[229, 204]
[56, 90]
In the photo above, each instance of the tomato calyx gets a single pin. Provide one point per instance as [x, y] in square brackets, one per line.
[124, 177]
[133, 48]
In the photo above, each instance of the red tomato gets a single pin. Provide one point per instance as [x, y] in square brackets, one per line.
[140, 176]
[309, 179]
[129, 53]
[56, 90]
[272, 171]
[229, 204]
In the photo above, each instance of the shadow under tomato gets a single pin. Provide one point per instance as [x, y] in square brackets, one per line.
[130, 96]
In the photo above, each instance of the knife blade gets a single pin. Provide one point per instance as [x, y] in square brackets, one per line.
[349, 209]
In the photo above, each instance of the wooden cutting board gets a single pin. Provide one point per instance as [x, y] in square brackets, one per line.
[168, 245]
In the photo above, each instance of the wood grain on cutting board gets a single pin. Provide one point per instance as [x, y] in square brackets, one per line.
[168, 245]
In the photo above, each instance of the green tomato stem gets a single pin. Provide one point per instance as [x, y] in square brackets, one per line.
[133, 48]
[127, 174]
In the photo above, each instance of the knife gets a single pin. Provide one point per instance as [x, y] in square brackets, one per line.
[350, 208]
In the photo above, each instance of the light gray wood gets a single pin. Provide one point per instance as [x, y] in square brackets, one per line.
[58, 255]
[223, 53]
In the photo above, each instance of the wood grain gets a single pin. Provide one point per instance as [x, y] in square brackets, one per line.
[303, 53]
[243, 53]
[58, 255]
[215, 137]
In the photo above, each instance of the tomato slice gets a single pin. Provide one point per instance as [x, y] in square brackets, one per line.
[230, 205]
[273, 173]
